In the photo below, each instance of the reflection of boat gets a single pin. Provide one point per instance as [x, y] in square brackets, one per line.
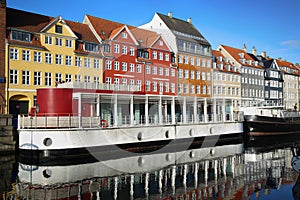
[268, 120]
[135, 175]
[89, 118]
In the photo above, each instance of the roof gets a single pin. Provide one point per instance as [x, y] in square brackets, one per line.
[284, 63]
[235, 53]
[216, 55]
[82, 31]
[104, 28]
[144, 37]
[26, 21]
[182, 27]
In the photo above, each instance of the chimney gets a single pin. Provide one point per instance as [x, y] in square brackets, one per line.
[245, 48]
[254, 51]
[189, 20]
[264, 54]
[170, 14]
[2, 53]
[279, 58]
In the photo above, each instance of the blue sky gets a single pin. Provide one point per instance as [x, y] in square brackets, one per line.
[269, 25]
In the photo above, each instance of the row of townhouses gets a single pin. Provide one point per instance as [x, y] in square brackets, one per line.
[166, 56]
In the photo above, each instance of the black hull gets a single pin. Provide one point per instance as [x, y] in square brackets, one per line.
[264, 126]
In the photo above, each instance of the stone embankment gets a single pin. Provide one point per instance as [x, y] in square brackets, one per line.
[7, 140]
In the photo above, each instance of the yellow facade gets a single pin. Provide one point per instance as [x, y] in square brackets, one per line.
[17, 90]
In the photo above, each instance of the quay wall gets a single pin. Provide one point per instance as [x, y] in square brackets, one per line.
[7, 139]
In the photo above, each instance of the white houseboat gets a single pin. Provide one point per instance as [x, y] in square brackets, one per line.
[71, 118]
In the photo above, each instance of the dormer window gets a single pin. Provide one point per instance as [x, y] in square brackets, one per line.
[21, 36]
[58, 29]
[241, 55]
[91, 47]
[143, 53]
[106, 48]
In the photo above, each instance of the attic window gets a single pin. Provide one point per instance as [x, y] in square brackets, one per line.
[124, 35]
[161, 43]
[58, 29]
[22, 36]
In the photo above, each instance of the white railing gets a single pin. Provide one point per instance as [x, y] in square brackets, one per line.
[100, 86]
[52, 122]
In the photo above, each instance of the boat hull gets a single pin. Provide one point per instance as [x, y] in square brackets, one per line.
[67, 140]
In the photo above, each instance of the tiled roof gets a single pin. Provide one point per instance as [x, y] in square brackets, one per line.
[26, 21]
[103, 27]
[284, 63]
[182, 27]
[235, 53]
[82, 31]
[216, 55]
[144, 37]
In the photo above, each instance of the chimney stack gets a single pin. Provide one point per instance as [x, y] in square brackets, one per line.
[189, 20]
[264, 54]
[254, 51]
[245, 48]
[170, 14]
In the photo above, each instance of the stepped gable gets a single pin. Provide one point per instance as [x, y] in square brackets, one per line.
[183, 27]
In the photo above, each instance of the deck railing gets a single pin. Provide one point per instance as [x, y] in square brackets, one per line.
[53, 122]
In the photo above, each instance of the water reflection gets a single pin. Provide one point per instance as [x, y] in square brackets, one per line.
[230, 171]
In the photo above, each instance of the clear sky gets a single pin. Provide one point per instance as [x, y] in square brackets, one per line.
[268, 25]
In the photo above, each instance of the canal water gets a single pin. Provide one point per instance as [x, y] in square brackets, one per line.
[235, 169]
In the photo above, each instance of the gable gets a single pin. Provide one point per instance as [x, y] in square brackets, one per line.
[161, 44]
[59, 27]
[123, 34]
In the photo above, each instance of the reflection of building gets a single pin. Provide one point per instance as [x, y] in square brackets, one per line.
[6, 173]
[222, 171]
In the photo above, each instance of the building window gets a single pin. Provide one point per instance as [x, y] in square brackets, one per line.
[161, 87]
[58, 59]
[173, 72]
[117, 48]
[13, 76]
[106, 48]
[160, 56]
[198, 89]
[37, 79]
[87, 62]
[48, 78]
[116, 81]
[48, 58]
[154, 70]
[198, 62]
[185, 60]
[131, 67]
[192, 89]
[124, 35]
[203, 76]
[108, 64]
[25, 77]
[124, 81]
[173, 87]
[180, 60]
[167, 72]
[91, 47]
[154, 86]
[58, 78]
[192, 60]
[108, 80]
[186, 73]
[25, 55]
[148, 69]
[180, 88]
[69, 60]
[131, 51]
[48, 39]
[87, 79]
[78, 61]
[161, 71]
[68, 78]
[116, 65]
[58, 41]
[167, 86]
[20, 35]
[147, 86]
[154, 54]
[14, 54]
[167, 58]
[77, 78]
[203, 89]
[58, 29]
[124, 66]
[37, 57]
[97, 79]
[68, 43]
[186, 89]
[124, 50]
[96, 63]
[180, 73]
[139, 68]
[192, 75]
[139, 85]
